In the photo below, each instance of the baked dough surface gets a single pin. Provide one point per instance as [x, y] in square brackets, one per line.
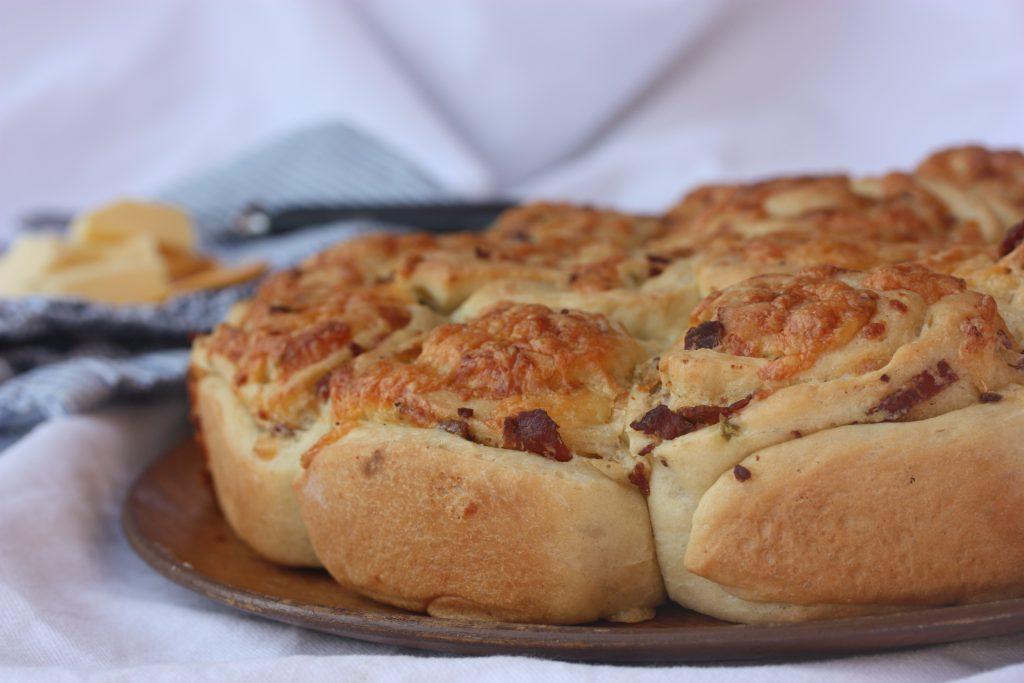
[792, 399]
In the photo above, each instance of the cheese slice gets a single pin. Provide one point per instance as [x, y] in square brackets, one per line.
[26, 261]
[168, 225]
[130, 272]
[217, 278]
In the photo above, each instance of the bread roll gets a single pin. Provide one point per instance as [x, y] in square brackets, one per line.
[474, 473]
[820, 357]
[259, 383]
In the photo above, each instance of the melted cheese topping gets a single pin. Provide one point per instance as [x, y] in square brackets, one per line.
[573, 310]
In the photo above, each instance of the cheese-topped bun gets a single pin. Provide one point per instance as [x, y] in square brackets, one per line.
[996, 270]
[649, 293]
[894, 208]
[807, 447]
[591, 260]
[476, 472]
[552, 228]
[956, 207]
[536, 244]
[730, 259]
[259, 383]
[981, 185]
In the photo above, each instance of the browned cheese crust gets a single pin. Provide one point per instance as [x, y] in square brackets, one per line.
[791, 399]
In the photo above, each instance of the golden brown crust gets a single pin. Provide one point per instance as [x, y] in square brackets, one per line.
[815, 502]
[649, 293]
[516, 349]
[894, 208]
[791, 321]
[303, 323]
[255, 494]
[553, 227]
[425, 520]
[913, 278]
[986, 186]
[259, 383]
[973, 164]
[278, 352]
[788, 320]
[731, 259]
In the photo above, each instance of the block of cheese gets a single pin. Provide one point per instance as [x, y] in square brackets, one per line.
[168, 225]
[182, 263]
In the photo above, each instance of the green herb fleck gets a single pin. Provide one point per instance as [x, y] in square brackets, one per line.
[728, 429]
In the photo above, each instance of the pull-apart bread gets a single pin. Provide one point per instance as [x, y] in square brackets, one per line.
[789, 400]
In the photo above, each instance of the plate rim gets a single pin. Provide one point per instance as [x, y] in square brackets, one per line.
[588, 642]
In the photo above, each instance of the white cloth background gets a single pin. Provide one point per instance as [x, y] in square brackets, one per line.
[623, 103]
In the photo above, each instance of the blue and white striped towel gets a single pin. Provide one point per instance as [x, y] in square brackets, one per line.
[63, 356]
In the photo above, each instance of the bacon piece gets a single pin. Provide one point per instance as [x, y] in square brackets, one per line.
[702, 415]
[668, 424]
[456, 427]
[707, 415]
[1014, 236]
[707, 335]
[921, 387]
[873, 330]
[656, 264]
[638, 477]
[663, 422]
[739, 405]
[536, 432]
[465, 412]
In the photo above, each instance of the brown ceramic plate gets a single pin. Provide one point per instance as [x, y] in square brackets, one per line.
[172, 521]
